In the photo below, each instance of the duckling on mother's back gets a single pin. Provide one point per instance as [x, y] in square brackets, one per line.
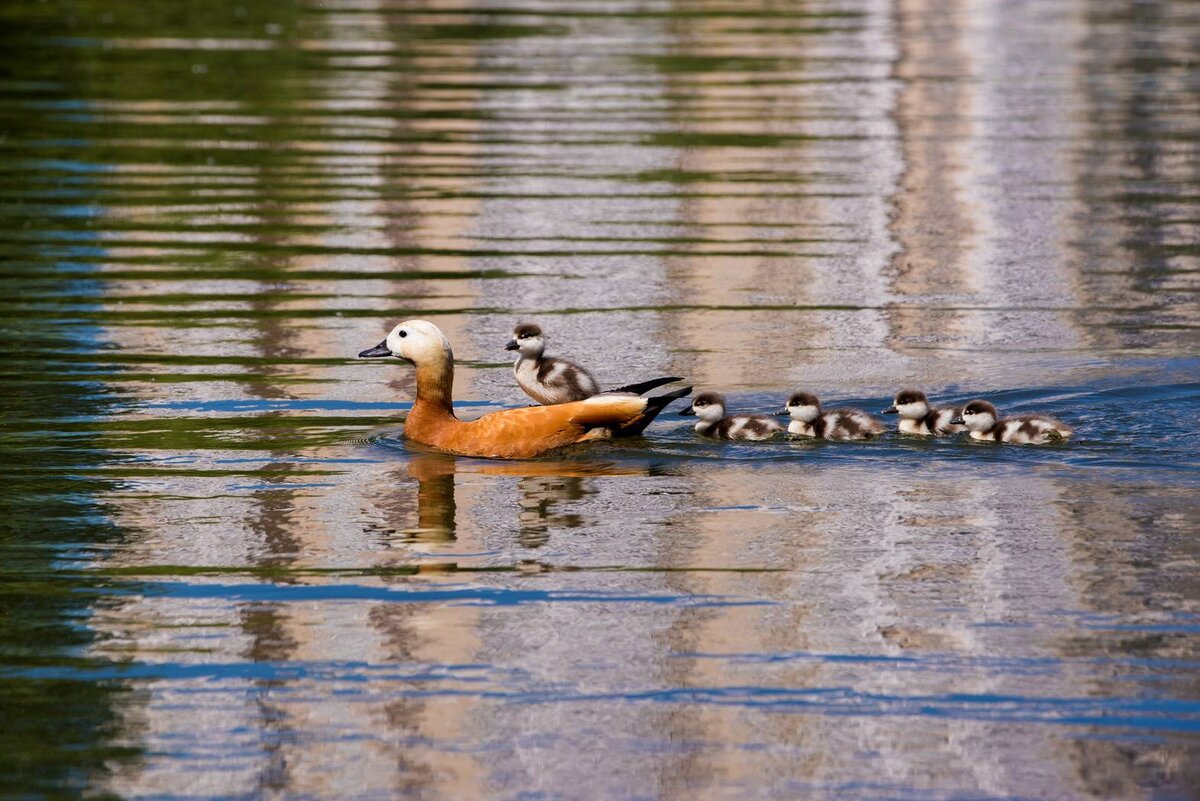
[551, 380]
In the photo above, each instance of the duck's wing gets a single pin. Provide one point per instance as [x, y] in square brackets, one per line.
[653, 406]
[645, 386]
[609, 410]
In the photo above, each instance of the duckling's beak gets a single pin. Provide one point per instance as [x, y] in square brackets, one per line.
[891, 410]
[688, 412]
[782, 412]
[957, 420]
[512, 345]
[376, 352]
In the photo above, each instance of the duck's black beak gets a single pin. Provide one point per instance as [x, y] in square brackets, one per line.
[688, 412]
[376, 352]
[512, 345]
[782, 412]
[957, 420]
[891, 410]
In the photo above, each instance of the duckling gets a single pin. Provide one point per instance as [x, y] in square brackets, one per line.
[809, 421]
[550, 380]
[918, 417]
[509, 433]
[709, 408]
[984, 423]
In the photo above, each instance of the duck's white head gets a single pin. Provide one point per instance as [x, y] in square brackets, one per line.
[978, 415]
[911, 404]
[707, 406]
[528, 340]
[803, 406]
[416, 341]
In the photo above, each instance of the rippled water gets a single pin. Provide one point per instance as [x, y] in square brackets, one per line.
[224, 574]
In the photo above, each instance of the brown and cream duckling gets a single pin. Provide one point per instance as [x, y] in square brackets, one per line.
[808, 420]
[550, 380]
[984, 423]
[918, 417]
[709, 409]
[510, 433]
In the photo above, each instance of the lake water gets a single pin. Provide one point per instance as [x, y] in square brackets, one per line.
[223, 574]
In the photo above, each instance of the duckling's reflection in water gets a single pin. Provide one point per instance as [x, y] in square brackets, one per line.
[539, 495]
[541, 488]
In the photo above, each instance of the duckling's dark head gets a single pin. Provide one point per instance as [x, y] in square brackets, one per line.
[910, 404]
[977, 415]
[707, 406]
[528, 339]
[803, 399]
[802, 406]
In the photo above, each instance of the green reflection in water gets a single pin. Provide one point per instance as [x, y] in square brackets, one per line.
[55, 733]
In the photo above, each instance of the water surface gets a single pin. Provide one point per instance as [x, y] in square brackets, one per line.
[225, 574]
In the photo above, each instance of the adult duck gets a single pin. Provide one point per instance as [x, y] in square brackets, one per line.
[510, 433]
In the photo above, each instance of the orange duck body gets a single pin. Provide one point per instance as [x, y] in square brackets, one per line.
[511, 433]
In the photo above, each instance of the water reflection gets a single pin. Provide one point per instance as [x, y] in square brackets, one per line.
[435, 498]
[215, 570]
[796, 612]
[542, 487]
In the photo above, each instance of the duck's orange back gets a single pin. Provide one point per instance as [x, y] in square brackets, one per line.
[527, 432]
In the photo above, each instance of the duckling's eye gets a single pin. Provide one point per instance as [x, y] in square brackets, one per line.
[403, 334]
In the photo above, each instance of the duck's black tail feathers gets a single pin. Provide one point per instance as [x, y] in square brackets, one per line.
[646, 386]
[653, 407]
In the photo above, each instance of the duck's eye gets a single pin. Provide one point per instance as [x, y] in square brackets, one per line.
[403, 334]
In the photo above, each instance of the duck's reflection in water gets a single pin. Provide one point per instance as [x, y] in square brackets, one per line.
[913, 615]
[546, 494]
[540, 496]
[435, 499]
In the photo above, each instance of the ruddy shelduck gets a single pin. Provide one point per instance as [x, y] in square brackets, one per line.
[510, 433]
[919, 418]
[711, 420]
[810, 420]
[985, 423]
[550, 379]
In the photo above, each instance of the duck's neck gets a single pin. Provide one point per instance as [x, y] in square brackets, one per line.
[435, 387]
